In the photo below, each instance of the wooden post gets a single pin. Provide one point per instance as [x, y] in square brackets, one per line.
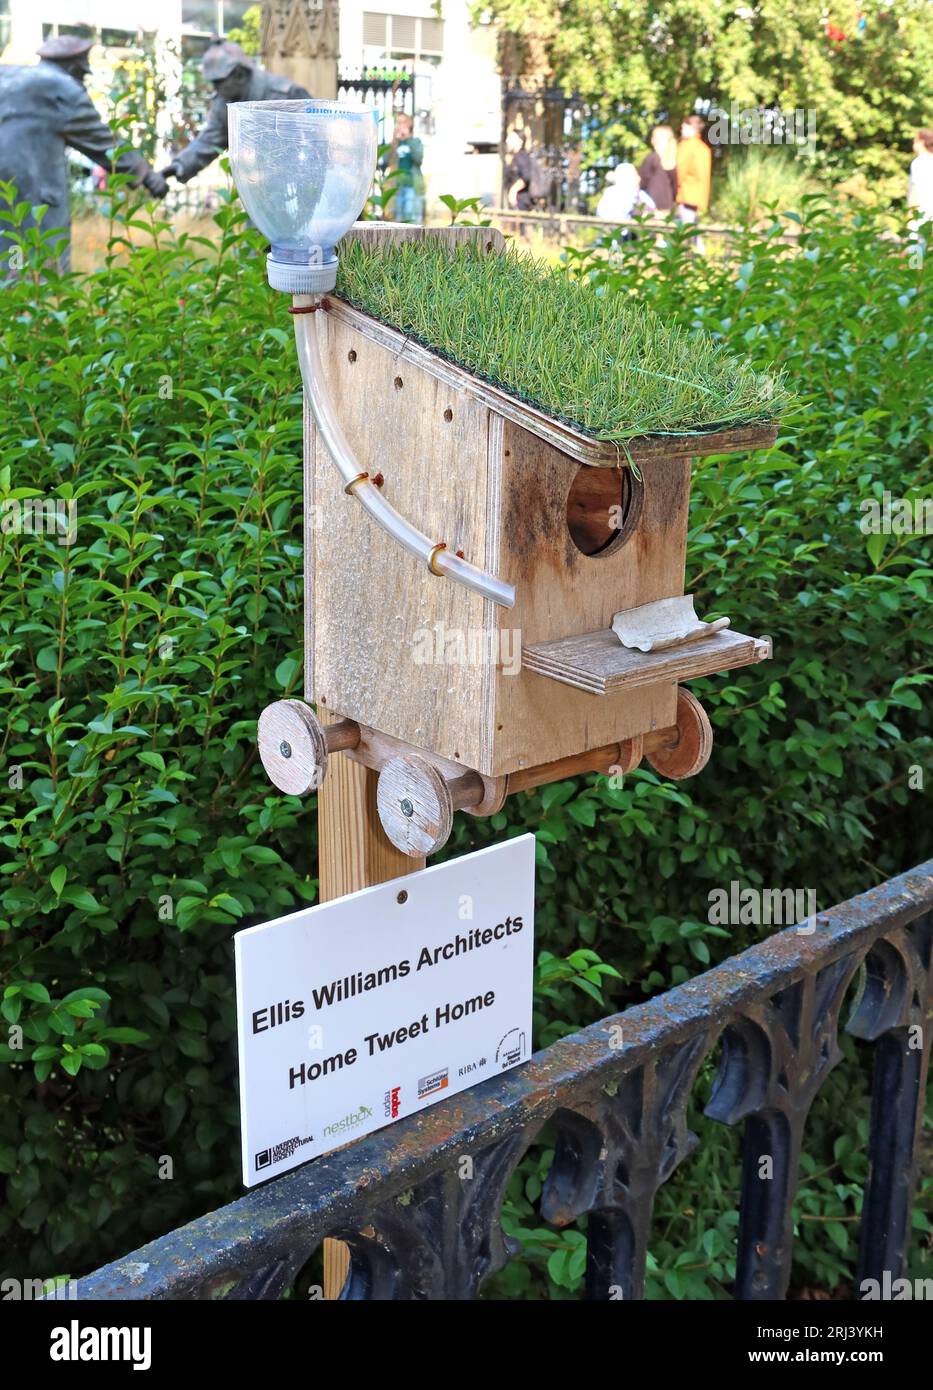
[353, 853]
[299, 40]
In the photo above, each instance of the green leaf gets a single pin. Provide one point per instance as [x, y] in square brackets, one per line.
[36, 992]
[838, 1235]
[286, 671]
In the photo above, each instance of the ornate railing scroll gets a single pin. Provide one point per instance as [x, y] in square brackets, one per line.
[618, 1093]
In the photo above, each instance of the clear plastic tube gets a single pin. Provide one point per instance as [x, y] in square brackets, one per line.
[366, 492]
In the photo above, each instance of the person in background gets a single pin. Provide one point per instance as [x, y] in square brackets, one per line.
[234, 77]
[920, 186]
[44, 111]
[622, 198]
[658, 170]
[518, 173]
[406, 156]
[694, 170]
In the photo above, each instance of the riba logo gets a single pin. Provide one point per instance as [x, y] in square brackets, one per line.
[77, 1343]
[355, 1117]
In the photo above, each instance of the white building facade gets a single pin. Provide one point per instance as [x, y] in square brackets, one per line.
[457, 90]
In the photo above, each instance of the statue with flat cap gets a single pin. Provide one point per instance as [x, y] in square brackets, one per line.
[235, 77]
[44, 109]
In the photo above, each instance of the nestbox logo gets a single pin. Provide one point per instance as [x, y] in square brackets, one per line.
[392, 1102]
[355, 1117]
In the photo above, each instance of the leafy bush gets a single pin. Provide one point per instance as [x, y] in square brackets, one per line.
[756, 181]
[817, 751]
[161, 396]
[866, 69]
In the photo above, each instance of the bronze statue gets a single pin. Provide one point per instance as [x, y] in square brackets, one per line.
[43, 110]
[235, 78]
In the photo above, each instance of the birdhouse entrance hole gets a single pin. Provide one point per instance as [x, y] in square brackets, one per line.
[603, 507]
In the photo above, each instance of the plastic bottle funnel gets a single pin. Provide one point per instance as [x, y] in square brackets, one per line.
[303, 170]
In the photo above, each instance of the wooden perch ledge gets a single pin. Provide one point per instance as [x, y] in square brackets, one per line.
[597, 661]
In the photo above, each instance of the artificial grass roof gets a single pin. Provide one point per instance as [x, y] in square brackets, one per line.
[601, 362]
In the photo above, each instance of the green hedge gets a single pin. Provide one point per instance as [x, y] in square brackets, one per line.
[161, 395]
[810, 781]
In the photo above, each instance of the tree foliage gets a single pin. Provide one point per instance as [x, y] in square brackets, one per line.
[866, 68]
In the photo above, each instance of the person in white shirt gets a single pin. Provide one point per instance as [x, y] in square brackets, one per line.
[623, 197]
[920, 187]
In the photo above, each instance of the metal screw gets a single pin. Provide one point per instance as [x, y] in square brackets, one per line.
[407, 808]
[285, 749]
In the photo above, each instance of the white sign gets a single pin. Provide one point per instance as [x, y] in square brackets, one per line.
[356, 1012]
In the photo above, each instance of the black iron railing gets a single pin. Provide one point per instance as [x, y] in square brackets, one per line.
[618, 1093]
[557, 126]
[390, 90]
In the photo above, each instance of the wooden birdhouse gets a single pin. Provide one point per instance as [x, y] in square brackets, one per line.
[455, 698]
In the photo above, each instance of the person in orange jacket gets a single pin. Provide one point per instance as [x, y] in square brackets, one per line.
[694, 170]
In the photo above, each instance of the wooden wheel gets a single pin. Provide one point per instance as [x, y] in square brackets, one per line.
[691, 751]
[495, 791]
[292, 747]
[415, 805]
[631, 752]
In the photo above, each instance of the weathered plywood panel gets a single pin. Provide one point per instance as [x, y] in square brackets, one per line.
[562, 592]
[598, 661]
[376, 609]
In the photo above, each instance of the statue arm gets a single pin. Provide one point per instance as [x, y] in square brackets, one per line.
[210, 142]
[89, 135]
